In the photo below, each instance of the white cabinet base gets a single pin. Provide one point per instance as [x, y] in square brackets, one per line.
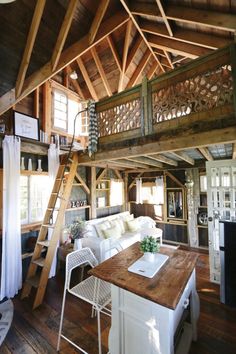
[141, 326]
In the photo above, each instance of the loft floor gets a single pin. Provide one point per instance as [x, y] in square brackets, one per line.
[36, 331]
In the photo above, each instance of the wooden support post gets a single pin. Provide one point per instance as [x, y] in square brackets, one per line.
[36, 102]
[46, 122]
[126, 205]
[144, 113]
[93, 205]
[233, 66]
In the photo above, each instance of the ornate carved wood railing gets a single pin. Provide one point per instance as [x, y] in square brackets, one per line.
[204, 86]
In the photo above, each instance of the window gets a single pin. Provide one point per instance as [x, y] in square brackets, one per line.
[116, 192]
[65, 108]
[34, 195]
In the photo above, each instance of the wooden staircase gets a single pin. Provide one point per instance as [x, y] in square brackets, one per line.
[39, 268]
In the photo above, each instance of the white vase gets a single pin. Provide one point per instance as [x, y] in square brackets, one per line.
[39, 169]
[149, 256]
[29, 165]
[22, 166]
[77, 244]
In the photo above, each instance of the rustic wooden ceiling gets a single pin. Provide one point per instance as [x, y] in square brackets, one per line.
[111, 44]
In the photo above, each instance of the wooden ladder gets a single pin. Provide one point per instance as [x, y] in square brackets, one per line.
[39, 267]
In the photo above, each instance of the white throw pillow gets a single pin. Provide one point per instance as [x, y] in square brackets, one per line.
[132, 225]
[101, 227]
[112, 232]
[127, 218]
[119, 223]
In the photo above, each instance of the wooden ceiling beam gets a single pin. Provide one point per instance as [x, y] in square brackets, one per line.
[183, 156]
[177, 143]
[133, 51]
[222, 21]
[87, 79]
[101, 71]
[159, 4]
[138, 71]
[135, 22]
[63, 33]
[125, 53]
[168, 59]
[206, 153]
[208, 18]
[185, 35]
[84, 185]
[184, 49]
[163, 159]
[38, 12]
[152, 70]
[178, 59]
[234, 151]
[127, 163]
[146, 161]
[102, 7]
[67, 56]
[114, 52]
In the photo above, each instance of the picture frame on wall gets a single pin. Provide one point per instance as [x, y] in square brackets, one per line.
[25, 126]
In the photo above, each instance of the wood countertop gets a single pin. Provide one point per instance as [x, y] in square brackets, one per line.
[165, 288]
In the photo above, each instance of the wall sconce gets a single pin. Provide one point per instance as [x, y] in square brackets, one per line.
[74, 75]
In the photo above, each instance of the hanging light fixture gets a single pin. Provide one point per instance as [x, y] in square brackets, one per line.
[6, 1]
[74, 75]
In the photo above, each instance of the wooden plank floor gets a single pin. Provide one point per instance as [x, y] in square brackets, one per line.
[36, 331]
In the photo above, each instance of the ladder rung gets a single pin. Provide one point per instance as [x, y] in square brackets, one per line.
[40, 261]
[49, 226]
[34, 281]
[44, 243]
[54, 209]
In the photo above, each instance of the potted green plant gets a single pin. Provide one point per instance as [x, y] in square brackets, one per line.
[149, 245]
[77, 230]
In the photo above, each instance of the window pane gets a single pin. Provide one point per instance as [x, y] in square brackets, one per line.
[24, 199]
[39, 194]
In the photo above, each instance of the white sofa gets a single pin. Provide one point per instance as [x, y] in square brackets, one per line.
[104, 248]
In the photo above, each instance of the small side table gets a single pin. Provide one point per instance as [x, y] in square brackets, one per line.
[152, 231]
[63, 251]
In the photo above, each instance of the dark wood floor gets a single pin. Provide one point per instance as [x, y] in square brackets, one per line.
[36, 331]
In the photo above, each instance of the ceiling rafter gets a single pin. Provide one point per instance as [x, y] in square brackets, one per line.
[183, 156]
[125, 53]
[206, 153]
[152, 70]
[133, 51]
[138, 71]
[102, 7]
[208, 18]
[164, 17]
[169, 59]
[127, 163]
[101, 71]
[38, 12]
[114, 52]
[163, 159]
[135, 22]
[185, 35]
[184, 49]
[87, 78]
[67, 56]
[63, 33]
[178, 59]
[146, 160]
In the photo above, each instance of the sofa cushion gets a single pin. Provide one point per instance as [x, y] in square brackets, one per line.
[133, 225]
[119, 223]
[101, 227]
[113, 232]
[127, 218]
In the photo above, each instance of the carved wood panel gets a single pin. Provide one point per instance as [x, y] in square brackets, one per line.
[120, 118]
[200, 93]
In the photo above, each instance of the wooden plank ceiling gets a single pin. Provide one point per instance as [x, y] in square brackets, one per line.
[111, 45]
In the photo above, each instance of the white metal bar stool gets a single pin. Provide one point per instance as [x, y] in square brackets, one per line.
[92, 290]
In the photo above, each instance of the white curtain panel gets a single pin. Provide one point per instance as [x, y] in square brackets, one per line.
[139, 196]
[11, 273]
[53, 164]
[159, 195]
[116, 192]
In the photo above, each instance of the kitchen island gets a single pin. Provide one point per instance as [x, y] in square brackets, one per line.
[152, 315]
